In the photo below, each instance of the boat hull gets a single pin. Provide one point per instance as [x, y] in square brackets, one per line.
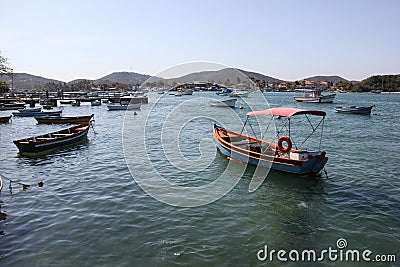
[124, 107]
[321, 99]
[61, 120]
[5, 119]
[313, 165]
[36, 114]
[225, 103]
[355, 110]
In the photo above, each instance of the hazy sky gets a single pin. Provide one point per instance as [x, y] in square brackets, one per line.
[288, 40]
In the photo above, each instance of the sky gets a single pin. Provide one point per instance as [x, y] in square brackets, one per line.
[288, 40]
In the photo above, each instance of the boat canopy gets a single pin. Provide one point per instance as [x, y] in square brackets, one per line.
[285, 112]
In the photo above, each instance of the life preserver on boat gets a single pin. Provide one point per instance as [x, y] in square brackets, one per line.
[280, 144]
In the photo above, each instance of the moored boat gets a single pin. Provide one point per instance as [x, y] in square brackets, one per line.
[67, 102]
[239, 93]
[313, 96]
[5, 119]
[223, 103]
[37, 114]
[12, 106]
[96, 102]
[279, 156]
[61, 120]
[224, 92]
[30, 109]
[54, 140]
[355, 110]
[125, 107]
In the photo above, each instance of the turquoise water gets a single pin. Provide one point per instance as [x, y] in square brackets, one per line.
[91, 212]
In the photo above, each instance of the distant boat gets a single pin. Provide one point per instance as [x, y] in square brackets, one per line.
[355, 110]
[37, 114]
[95, 103]
[125, 107]
[5, 119]
[30, 109]
[224, 92]
[61, 120]
[239, 93]
[187, 92]
[313, 96]
[376, 91]
[66, 102]
[48, 106]
[12, 106]
[223, 103]
[54, 140]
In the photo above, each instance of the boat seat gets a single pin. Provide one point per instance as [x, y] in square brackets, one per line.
[45, 138]
[244, 142]
[61, 134]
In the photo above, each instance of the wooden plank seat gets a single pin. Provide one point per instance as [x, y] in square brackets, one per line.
[63, 134]
[244, 142]
[45, 138]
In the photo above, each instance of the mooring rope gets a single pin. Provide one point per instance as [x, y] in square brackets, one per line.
[24, 186]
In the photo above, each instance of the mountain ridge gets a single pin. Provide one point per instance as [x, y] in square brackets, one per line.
[26, 81]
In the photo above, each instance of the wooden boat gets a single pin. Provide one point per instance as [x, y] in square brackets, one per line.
[52, 140]
[125, 107]
[66, 102]
[355, 110]
[5, 119]
[224, 103]
[48, 106]
[61, 120]
[267, 154]
[313, 96]
[12, 106]
[37, 114]
[30, 109]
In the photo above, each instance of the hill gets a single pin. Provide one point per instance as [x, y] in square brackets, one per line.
[222, 76]
[332, 79]
[123, 77]
[387, 83]
[261, 77]
[27, 81]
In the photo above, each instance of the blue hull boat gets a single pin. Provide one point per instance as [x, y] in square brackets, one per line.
[355, 110]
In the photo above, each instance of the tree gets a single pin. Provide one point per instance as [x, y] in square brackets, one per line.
[4, 68]
[4, 87]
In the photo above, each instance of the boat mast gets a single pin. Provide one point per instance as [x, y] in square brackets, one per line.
[244, 125]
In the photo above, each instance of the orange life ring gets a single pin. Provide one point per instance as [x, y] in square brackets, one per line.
[280, 144]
